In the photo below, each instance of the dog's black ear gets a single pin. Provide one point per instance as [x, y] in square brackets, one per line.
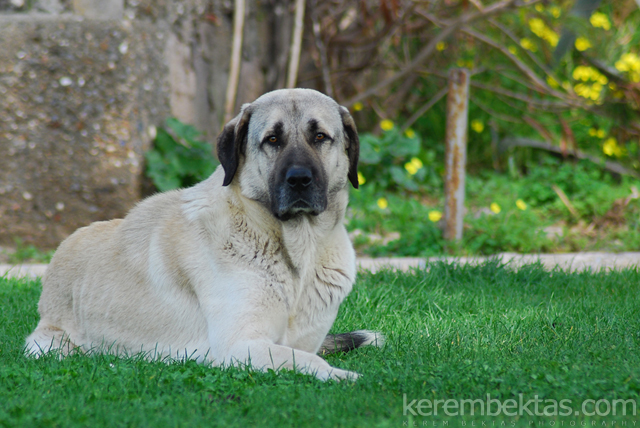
[231, 143]
[353, 149]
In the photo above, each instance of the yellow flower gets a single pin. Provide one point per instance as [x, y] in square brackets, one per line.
[555, 11]
[477, 125]
[521, 204]
[435, 216]
[537, 26]
[528, 45]
[611, 148]
[495, 207]
[628, 62]
[600, 133]
[599, 19]
[539, 7]
[410, 133]
[441, 46]
[582, 44]
[551, 37]
[358, 106]
[552, 82]
[386, 125]
[382, 203]
[582, 72]
[361, 179]
[593, 132]
[513, 49]
[411, 168]
[540, 29]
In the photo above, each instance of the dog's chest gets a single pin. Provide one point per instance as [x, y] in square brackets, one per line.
[302, 279]
[302, 275]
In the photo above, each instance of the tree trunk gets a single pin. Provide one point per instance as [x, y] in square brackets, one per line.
[198, 51]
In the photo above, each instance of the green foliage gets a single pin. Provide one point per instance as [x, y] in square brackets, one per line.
[28, 253]
[504, 214]
[453, 332]
[178, 158]
[397, 161]
[591, 191]
[406, 217]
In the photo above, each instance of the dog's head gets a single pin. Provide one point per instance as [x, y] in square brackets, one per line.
[292, 150]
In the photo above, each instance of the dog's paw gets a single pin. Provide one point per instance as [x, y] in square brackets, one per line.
[337, 374]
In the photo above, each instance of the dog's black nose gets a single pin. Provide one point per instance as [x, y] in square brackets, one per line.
[299, 177]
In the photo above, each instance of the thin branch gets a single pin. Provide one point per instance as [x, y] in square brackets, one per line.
[544, 132]
[428, 50]
[494, 113]
[236, 52]
[356, 42]
[508, 93]
[542, 85]
[534, 58]
[610, 166]
[565, 200]
[296, 44]
[520, 97]
[322, 51]
[477, 4]
[422, 110]
[505, 72]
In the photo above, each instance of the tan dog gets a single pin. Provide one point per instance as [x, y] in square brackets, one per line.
[248, 267]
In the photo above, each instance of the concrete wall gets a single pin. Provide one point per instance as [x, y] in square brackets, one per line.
[83, 83]
[80, 99]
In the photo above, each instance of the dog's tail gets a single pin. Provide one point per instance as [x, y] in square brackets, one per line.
[345, 342]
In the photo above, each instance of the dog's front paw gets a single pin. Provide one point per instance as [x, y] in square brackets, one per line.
[337, 374]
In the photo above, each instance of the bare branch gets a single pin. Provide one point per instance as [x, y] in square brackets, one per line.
[296, 44]
[428, 50]
[422, 110]
[610, 166]
[236, 52]
[322, 51]
[534, 58]
[493, 113]
[511, 94]
[520, 97]
[542, 85]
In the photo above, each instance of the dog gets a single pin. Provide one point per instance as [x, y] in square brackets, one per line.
[248, 267]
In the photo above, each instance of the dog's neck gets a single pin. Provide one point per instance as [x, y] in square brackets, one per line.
[302, 236]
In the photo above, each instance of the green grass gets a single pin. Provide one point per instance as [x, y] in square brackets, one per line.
[23, 253]
[454, 332]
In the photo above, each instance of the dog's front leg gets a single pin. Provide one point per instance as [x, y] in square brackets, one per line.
[247, 321]
[262, 355]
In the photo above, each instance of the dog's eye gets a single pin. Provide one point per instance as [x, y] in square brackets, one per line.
[273, 140]
[320, 136]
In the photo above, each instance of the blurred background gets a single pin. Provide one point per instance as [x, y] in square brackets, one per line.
[106, 101]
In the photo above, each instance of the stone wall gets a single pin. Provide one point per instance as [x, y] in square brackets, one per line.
[80, 102]
[84, 83]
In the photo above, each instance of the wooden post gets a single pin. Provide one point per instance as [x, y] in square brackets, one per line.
[236, 54]
[296, 45]
[456, 152]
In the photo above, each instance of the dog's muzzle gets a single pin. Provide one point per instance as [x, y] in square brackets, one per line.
[299, 190]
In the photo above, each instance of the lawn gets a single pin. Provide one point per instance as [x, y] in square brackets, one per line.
[486, 333]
